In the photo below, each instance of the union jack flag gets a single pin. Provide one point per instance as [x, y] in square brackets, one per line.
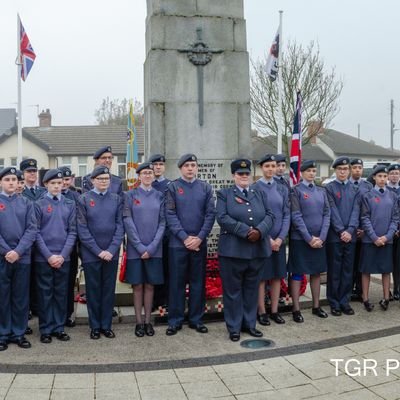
[27, 54]
[295, 151]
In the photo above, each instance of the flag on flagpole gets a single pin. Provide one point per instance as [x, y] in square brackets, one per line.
[132, 160]
[295, 151]
[26, 53]
[271, 66]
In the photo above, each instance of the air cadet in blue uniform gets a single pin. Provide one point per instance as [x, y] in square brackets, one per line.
[103, 157]
[310, 216]
[21, 182]
[101, 232]
[160, 183]
[56, 219]
[380, 219]
[341, 242]
[244, 243]
[144, 221]
[274, 268]
[190, 214]
[280, 176]
[15, 259]
[362, 186]
[70, 193]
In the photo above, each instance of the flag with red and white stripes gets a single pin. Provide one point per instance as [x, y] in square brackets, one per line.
[295, 151]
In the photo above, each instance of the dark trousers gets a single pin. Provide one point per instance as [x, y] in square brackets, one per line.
[73, 270]
[340, 258]
[14, 299]
[33, 300]
[357, 289]
[188, 264]
[161, 291]
[100, 278]
[52, 286]
[396, 266]
[240, 281]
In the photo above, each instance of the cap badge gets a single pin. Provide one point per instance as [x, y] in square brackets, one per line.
[12, 170]
[106, 170]
[359, 161]
[193, 158]
[31, 163]
[272, 158]
[243, 164]
[109, 149]
[59, 175]
[344, 162]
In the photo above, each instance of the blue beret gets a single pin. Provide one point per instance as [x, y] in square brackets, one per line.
[100, 170]
[380, 168]
[20, 175]
[356, 161]
[280, 158]
[266, 158]
[146, 165]
[28, 164]
[341, 161]
[67, 173]
[52, 174]
[308, 164]
[8, 171]
[241, 165]
[99, 152]
[186, 158]
[156, 158]
[394, 167]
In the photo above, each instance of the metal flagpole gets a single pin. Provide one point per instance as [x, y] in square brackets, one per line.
[19, 68]
[281, 124]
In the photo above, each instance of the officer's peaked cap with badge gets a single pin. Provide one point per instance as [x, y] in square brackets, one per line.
[52, 174]
[308, 164]
[267, 158]
[394, 167]
[99, 152]
[357, 161]
[280, 158]
[157, 158]
[185, 158]
[380, 168]
[8, 171]
[344, 160]
[145, 165]
[67, 173]
[100, 170]
[241, 165]
[29, 164]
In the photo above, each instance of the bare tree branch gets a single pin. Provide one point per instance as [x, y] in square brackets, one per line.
[115, 112]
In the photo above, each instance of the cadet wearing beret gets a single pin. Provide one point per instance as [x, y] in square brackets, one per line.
[344, 201]
[101, 231]
[160, 183]
[310, 215]
[56, 218]
[103, 157]
[380, 219]
[144, 221]
[15, 260]
[244, 243]
[393, 178]
[363, 186]
[190, 214]
[281, 170]
[274, 268]
[21, 182]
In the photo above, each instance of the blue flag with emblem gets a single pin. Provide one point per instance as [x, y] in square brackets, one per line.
[132, 158]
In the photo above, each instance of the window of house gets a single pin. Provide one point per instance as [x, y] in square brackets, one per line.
[82, 165]
[66, 161]
[13, 161]
[121, 166]
[1, 162]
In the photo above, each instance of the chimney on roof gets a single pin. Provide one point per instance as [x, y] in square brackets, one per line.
[314, 129]
[45, 119]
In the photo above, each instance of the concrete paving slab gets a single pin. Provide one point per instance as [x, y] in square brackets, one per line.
[297, 392]
[382, 356]
[371, 380]
[167, 392]
[388, 391]
[199, 374]
[74, 381]
[318, 370]
[336, 384]
[28, 394]
[117, 393]
[72, 394]
[200, 390]
[127, 380]
[247, 384]
[235, 370]
[363, 394]
[152, 378]
[43, 381]
[6, 380]
[288, 377]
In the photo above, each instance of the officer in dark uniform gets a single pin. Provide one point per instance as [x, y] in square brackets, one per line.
[161, 183]
[344, 201]
[362, 186]
[103, 157]
[244, 244]
[280, 176]
[190, 215]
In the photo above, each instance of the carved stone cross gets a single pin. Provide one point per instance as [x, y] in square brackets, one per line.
[199, 55]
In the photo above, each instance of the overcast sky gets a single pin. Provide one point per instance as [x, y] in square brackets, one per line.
[89, 49]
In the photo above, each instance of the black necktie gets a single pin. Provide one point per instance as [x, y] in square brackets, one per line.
[245, 192]
[382, 190]
[32, 190]
[269, 183]
[310, 185]
[55, 198]
[343, 183]
[101, 194]
[356, 182]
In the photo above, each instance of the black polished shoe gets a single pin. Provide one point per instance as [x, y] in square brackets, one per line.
[297, 317]
[46, 339]
[28, 331]
[114, 313]
[263, 319]
[336, 312]
[139, 330]
[347, 310]
[234, 336]
[201, 328]
[108, 333]
[384, 304]
[252, 332]
[396, 296]
[61, 336]
[95, 334]
[23, 343]
[277, 318]
[368, 306]
[70, 323]
[173, 330]
[148, 329]
[30, 315]
[319, 312]
[3, 346]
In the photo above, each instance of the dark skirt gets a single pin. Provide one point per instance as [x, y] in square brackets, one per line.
[303, 259]
[376, 260]
[140, 271]
[275, 266]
